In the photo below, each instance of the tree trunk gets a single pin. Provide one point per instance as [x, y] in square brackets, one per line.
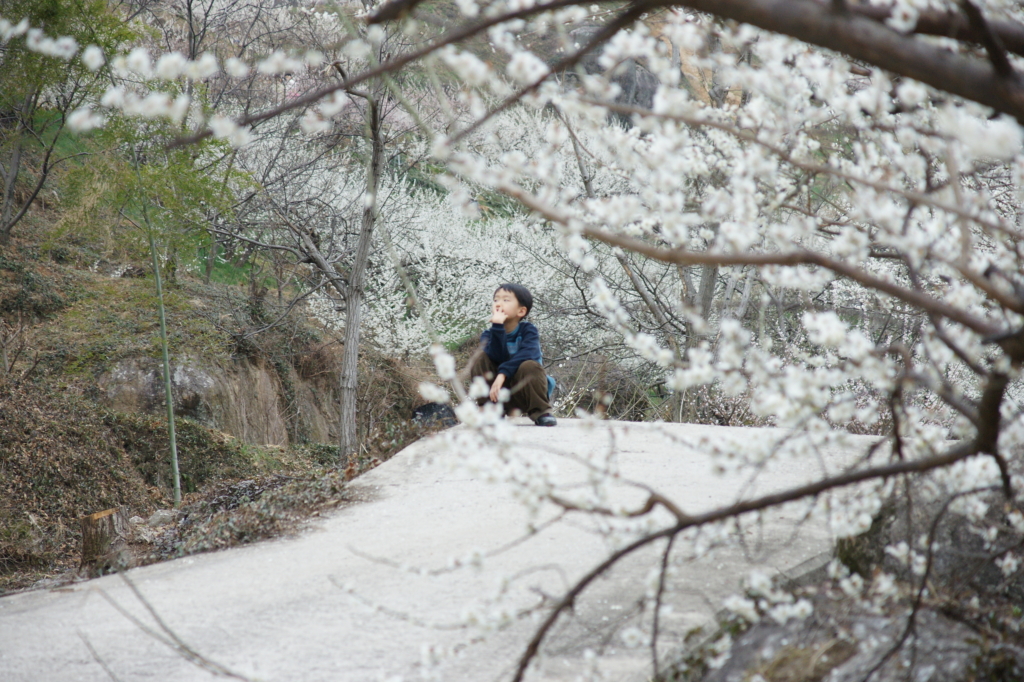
[348, 440]
[211, 259]
[105, 542]
[7, 220]
[168, 394]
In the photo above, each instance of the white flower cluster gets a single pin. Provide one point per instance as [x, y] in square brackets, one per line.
[280, 62]
[443, 361]
[526, 68]
[224, 128]
[825, 329]
[9, 30]
[765, 599]
[467, 66]
[85, 119]
[433, 392]
[64, 47]
[170, 66]
[908, 557]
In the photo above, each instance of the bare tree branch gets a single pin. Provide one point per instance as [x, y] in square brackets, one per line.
[389, 66]
[951, 25]
[994, 47]
[96, 657]
[954, 454]
[686, 257]
[869, 41]
[169, 638]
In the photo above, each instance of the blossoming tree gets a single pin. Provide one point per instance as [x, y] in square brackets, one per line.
[818, 214]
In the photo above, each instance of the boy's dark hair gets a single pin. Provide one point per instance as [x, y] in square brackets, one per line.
[522, 294]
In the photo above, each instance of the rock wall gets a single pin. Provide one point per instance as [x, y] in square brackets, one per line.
[247, 400]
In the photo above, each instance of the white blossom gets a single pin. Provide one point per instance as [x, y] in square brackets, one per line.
[226, 129]
[825, 329]
[179, 108]
[85, 119]
[633, 637]
[333, 104]
[742, 607]
[433, 392]
[279, 62]
[139, 61]
[469, 8]
[113, 97]
[443, 361]
[313, 58]
[1008, 564]
[236, 68]
[312, 123]
[170, 65]
[203, 67]
[467, 66]
[93, 58]
[64, 47]
[526, 68]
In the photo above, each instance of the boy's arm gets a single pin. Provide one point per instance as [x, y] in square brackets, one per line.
[493, 341]
[529, 349]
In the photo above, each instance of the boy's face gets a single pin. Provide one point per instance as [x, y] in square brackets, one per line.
[506, 302]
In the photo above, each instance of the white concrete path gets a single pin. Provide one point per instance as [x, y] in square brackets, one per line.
[274, 611]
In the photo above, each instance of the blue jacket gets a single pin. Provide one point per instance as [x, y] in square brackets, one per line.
[508, 351]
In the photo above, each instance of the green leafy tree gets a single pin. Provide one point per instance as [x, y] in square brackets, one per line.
[38, 93]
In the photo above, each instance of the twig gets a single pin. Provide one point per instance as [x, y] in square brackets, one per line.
[169, 638]
[96, 657]
[657, 606]
[387, 67]
[919, 597]
[993, 46]
[570, 597]
[620, 22]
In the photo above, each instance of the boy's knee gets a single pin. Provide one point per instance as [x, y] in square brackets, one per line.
[485, 372]
[530, 367]
[482, 367]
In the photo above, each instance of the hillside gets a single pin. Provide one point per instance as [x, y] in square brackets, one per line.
[83, 426]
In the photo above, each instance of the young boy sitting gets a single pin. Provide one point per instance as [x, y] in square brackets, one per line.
[512, 358]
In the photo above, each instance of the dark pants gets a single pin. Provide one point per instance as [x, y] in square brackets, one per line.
[529, 386]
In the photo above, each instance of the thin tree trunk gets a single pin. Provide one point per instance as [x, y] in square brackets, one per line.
[168, 394]
[708, 279]
[348, 440]
[8, 206]
[211, 258]
[686, 407]
[7, 220]
[741, 310]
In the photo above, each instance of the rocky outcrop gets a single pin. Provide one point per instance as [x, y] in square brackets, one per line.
[637, 84]
[966, 625]
[845, 643]
[248, 400]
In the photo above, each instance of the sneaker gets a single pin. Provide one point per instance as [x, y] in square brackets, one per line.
[546, 420]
